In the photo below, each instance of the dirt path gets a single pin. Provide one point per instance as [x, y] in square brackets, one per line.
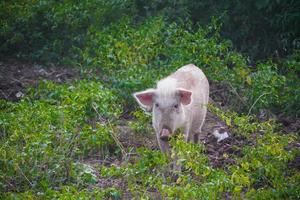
[219, 153]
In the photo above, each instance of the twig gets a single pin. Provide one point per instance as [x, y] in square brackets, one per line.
[72, 144]
[124, 154]
[237, 94]
[8, 182]
[256, 102]
[119, 144]
[24, 176]
[6, 97]
[61, 74]
[129, 154]
[18, 81]
[215, 91]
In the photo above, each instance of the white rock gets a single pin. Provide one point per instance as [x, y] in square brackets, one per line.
[19, 94]
[220, 136]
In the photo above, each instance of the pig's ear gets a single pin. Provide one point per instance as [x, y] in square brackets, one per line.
[185, 96]
[145, 99]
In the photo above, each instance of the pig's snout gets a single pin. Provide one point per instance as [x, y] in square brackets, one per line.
[165, 134]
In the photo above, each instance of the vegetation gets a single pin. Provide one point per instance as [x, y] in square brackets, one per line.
[48, 135]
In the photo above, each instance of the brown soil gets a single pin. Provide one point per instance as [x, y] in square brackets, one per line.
[15, 77]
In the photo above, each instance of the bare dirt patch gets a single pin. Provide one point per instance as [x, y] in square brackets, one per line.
[15, 77]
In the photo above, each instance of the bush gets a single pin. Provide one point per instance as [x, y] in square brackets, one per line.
[51, 31]
[260, 172]
[259, 28]
[134, 53]
[134, 59]
[44, 133]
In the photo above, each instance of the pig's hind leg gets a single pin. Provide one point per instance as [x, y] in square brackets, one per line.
[198, 125]
[192, 135]
[196, 136]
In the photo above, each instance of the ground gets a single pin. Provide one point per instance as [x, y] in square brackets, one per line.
[15, 77]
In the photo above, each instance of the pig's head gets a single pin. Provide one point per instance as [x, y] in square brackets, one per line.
[167, 107]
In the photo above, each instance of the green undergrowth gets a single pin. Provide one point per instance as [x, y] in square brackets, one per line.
[141, 54]
[132, 52]
[46, 133]
[46, 136]
[261, 172]
[68, 192]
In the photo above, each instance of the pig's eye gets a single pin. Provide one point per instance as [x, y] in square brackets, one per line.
[176, 106]
[156, 105]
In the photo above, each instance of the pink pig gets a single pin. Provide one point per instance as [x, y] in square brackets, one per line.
[178, 101]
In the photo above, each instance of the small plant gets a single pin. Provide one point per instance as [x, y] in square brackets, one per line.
[141, 124]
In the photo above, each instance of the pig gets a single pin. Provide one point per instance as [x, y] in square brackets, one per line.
[178, 101]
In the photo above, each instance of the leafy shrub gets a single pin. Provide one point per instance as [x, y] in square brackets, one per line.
[68, 192]
[261, 172]
[141, 124]
[291, 92]
[50, 30]
[44, 133]
[259, 28]
[134, 53]
[134, 59]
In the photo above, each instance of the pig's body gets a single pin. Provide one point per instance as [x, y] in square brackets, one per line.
[179, 101]
[192, 78]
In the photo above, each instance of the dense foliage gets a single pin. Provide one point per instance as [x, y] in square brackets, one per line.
[46, 136]
[259, 28]
[86, 34]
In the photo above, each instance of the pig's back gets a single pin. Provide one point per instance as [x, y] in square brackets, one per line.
[192, 78]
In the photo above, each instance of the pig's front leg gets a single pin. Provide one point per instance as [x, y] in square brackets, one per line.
[187, 134]
[163, 145]
[196, 135]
